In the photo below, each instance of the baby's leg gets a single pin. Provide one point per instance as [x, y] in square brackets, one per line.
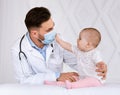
[59, 83]
[87, 82]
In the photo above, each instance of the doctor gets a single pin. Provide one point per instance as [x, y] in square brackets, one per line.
[38, 57]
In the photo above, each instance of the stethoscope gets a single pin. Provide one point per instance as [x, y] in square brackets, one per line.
[20, 58]
[22, 53]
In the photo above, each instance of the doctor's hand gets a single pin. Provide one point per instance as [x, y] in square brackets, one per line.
[70, 76]
[101, 69]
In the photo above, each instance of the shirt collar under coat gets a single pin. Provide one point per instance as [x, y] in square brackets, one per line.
[36, 53]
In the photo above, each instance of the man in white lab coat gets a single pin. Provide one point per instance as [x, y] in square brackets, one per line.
[38, 57]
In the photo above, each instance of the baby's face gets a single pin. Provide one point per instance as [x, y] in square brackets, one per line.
[83, 44]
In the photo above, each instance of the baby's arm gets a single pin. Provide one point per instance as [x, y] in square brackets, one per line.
[64, 44]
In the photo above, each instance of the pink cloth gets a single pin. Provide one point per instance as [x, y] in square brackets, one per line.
[86, 82]
[62, 84]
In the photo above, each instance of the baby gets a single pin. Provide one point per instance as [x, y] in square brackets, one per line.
[87, 58]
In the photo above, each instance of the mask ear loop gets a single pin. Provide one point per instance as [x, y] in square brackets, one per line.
[40, 40]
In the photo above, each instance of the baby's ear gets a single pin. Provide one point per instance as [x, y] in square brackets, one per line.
[89, 44]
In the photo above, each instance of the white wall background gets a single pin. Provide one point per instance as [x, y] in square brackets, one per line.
[70, 17]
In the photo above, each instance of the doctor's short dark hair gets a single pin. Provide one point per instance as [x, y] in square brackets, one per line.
[36, 16]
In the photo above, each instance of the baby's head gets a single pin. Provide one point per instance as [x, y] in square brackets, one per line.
[89, 38]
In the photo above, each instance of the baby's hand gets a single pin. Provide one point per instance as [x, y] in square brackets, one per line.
[57, 37]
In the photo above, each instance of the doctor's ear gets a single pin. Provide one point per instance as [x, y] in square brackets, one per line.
[33, 32]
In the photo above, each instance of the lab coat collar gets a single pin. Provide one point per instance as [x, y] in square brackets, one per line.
[49, 50]
[31, 49]
[36, 53]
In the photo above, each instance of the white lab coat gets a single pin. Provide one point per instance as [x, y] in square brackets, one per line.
[35, 69]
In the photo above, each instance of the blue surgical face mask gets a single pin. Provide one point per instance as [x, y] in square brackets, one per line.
[49, 37]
